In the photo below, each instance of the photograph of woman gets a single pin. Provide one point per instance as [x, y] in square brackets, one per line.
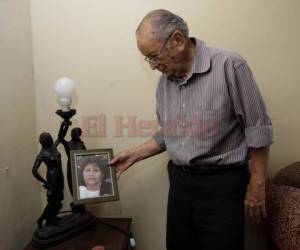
[94, 177]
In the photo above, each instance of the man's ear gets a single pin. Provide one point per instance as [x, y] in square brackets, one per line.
[178, 40]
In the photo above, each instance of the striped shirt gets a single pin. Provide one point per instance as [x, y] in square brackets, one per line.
[215, 115]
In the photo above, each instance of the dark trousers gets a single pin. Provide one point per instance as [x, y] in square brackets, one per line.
[206, 210]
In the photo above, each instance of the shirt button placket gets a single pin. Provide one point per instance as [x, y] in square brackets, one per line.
[182, 106]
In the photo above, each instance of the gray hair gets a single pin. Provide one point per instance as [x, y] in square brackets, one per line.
[165, 23]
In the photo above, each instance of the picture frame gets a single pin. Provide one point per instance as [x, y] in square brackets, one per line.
[93, 180]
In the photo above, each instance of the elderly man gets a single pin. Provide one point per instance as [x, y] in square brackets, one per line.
[213, 120]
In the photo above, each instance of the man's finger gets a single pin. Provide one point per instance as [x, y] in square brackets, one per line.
[247, 215]
[250, 211]
[118, 174]
[263, 211]
[113, 161]
[257, 214]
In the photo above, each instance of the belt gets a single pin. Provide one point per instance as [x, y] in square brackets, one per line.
[211, 168]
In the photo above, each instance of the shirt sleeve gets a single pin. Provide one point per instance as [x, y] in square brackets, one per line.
[249, 107]
[158, 136]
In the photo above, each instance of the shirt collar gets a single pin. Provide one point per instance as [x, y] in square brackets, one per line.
[201, 62]
[202, 58]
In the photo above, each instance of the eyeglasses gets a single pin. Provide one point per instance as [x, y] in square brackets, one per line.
[155, 58]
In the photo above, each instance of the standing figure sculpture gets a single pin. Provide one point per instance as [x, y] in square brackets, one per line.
[74, 144]
[53, 229]
[54, 182]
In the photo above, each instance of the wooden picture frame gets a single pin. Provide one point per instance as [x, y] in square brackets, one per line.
[93, 180]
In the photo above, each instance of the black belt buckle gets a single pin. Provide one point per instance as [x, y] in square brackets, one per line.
[188, 169]
[185, 169]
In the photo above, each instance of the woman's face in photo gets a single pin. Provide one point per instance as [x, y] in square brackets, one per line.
[92, 175]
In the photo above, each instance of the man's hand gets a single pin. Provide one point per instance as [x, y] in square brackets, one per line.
[255, 208]
[122, 161]
[127, 158]
[255, 202]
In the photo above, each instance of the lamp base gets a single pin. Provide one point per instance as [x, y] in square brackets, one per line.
[70, 225]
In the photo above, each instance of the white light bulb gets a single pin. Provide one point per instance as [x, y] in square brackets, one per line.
[64, 88]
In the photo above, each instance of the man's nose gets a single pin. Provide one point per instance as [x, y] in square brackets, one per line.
[153, 65]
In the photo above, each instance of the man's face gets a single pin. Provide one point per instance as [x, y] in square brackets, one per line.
[161, 54]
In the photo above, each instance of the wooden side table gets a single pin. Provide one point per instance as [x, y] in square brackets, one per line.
[101, 234]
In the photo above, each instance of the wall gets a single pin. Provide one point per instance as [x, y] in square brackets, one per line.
[93, 42]
[19, 194]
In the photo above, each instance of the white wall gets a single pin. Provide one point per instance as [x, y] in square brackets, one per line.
[93, 42]
[19, 194]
